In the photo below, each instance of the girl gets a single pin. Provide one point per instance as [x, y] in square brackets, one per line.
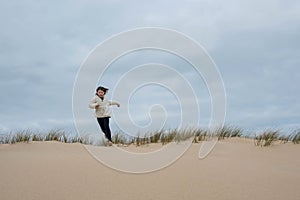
[102, 111]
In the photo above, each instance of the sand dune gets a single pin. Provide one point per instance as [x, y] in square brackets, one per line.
[235, 169]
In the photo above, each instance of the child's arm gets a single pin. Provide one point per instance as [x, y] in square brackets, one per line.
[111, 103]
[93, 103]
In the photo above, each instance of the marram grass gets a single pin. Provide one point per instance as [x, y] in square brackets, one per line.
[263, 139]
[295, 137]
[267, 138]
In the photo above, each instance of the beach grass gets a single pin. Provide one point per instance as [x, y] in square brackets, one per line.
[228, 132]
[267, 138]
[200, 135]
[119, 138]
[264, 138]
[295, 137]
[156, 136]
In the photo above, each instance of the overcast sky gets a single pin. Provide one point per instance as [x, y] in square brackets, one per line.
[255, 44]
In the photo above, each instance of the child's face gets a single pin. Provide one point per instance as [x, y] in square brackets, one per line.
[100, 93]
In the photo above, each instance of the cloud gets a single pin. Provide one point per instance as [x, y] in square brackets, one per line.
[255, 45]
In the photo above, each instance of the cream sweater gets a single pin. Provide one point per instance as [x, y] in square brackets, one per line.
[103, 109]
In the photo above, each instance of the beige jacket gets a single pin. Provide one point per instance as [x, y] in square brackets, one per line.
[103, 109]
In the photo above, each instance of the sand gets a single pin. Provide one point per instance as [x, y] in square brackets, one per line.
[235, 169]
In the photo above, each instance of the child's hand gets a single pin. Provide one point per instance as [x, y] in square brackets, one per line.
[118, 104]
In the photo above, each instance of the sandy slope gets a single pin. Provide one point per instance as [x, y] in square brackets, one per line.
[235, 169]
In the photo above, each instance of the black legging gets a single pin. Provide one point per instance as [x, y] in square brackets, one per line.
[104, 124]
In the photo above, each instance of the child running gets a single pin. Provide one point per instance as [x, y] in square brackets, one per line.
[102, 111]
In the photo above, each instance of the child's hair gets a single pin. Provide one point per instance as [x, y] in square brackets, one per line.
[102, 88]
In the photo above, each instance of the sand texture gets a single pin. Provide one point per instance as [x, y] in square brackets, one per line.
[235, 169]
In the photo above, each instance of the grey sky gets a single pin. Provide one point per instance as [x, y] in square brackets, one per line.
[255, 44]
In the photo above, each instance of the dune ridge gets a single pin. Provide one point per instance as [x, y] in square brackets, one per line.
[235, 169]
